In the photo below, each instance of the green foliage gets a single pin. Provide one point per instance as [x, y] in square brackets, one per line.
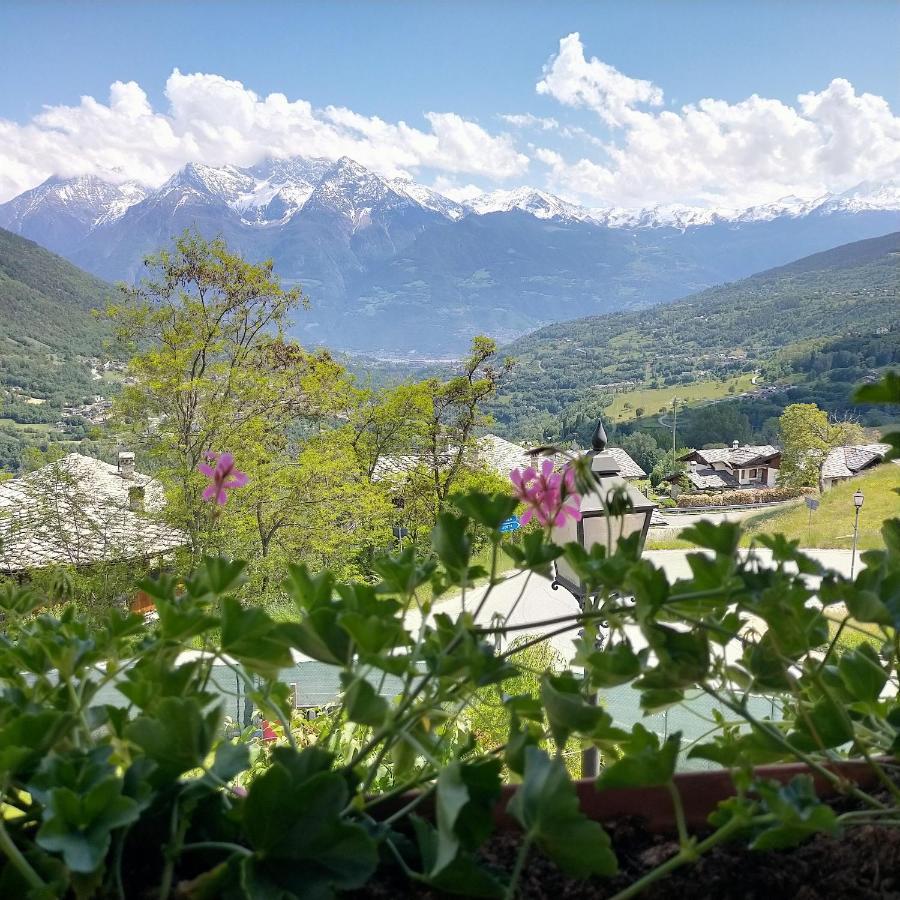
[151, 793]
[807, 435]
[335, 469]
[48, 337]
[643, 449]
[547, 809]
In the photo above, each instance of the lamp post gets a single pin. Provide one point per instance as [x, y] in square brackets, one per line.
[596, 528]
[857, 502]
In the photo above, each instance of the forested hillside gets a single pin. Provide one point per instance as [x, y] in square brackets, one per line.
[777, 321]
[48, 337]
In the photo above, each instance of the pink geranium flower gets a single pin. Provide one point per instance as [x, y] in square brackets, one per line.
[224, 477]
[550, 496]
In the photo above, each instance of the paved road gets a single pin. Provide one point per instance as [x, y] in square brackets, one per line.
[679, 520]
[531, 599]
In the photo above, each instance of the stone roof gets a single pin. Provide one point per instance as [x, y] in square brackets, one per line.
[628, 468]
[736, 457]
[711, 479]
[76, 511]
[845, 462]
[501, 456]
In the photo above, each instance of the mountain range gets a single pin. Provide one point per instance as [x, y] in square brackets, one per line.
[392, 267]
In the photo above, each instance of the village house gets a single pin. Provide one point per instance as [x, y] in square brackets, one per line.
[80, 512]
[502, 456]
[843, 463]
[733, 468]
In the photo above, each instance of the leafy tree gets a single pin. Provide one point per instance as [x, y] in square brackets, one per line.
[716, 423]
[669, 464]
[212, 372]
[643, 449]
[455, 412]
[807, 435]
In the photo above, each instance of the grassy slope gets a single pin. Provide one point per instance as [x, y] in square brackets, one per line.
[651, 400]
[46, 331]
[850, 289]
[832, 522]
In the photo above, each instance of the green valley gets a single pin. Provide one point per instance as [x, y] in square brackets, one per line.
[812, 328]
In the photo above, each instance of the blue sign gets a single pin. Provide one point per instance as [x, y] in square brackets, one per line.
[510, 524]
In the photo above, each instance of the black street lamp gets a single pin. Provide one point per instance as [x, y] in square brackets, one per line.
[857, 502]
[597, 527]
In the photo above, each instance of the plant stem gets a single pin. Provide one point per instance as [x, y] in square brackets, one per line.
[684, 839]
[18, 861]
[519, 866]
[218, 845]
[419, 798]
[683, 856]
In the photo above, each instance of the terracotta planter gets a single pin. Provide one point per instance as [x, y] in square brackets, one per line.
[701, 792]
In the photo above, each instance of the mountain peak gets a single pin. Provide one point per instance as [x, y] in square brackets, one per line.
[537, 203]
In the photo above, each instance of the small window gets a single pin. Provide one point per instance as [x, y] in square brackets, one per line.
[752, 473]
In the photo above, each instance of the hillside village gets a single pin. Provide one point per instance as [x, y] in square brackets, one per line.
[449, 451]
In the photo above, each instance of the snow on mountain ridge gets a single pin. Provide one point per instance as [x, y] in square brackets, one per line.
[428, 198]
[537, 203]
[271, 192]
[86, 198]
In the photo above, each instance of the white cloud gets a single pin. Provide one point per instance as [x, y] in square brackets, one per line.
[529, 120]
[214, 120]
[712, 152]
[575, 81]
[707, 153]
[455, 191]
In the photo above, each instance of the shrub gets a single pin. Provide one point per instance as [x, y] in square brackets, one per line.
[747, 497]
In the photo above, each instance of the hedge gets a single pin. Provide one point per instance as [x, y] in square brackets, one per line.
[744, 498]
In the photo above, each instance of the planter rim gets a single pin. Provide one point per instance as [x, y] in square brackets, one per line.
[700, 793]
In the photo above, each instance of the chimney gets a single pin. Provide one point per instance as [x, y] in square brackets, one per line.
[735, 445]
[136, 498]
[126, 464]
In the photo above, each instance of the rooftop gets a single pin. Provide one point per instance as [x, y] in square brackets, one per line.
[736, 457]
[844, 462]
[502, 456]
[77, 511]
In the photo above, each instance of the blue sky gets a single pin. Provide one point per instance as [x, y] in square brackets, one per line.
[479, 61]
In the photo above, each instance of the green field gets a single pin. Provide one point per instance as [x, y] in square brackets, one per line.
[832, 522]
[651, 400]
[34, 428]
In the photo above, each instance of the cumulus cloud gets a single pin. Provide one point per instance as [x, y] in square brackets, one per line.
[715, 153]
[215, 120]
[637, 152]
[575, 81]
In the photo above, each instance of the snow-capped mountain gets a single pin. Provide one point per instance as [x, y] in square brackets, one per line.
[61, 211]
[394, 265]
[865, 197]
[354, 192]
[273, 191]
[428, 198]
[537, 203]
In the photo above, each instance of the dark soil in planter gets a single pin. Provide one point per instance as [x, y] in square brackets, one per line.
[864, 864]
[861, 864]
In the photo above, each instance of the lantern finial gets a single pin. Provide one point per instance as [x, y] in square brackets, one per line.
[599, 440]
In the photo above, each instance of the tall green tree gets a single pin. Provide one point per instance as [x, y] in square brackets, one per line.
[456, 411]
[807, 434]
[212, 371]
[643, 449]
